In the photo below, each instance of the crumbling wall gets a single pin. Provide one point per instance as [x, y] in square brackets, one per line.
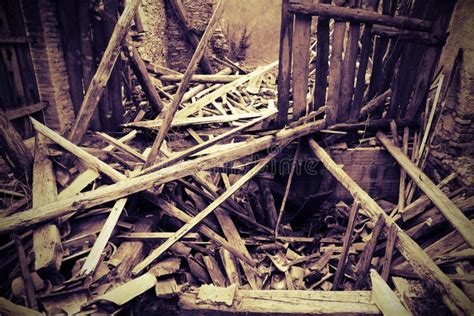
[48, 61]
[455, 139]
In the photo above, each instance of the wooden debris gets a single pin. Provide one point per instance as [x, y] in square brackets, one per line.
[384, 297]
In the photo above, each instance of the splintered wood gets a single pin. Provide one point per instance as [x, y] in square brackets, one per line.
[230, 191]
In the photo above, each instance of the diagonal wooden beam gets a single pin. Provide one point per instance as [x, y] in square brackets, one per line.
[171, 111]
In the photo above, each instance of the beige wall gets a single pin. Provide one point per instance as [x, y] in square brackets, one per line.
[262, 18]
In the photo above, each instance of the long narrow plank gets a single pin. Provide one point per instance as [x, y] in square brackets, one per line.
[301, 44]
[7, 308]
[346, 245]
[358, 15]
[453, 214]
[121, 146]
[139, 68]
[171, 111]
[385, 298]
[192, 37]
[322, 56]
[348, 73]
[46, 238]
[157, 124]
[102, 75]
[423, 265]
[366, 256]
[203, 214]
[284, 66]
[147, 181]
[95, 254]
[337, 43]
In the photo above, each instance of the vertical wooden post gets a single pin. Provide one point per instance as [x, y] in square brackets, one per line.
[366, 51]
[322, 55]
[348, 73]
[284, 65]
[14, 151]
[85, 39]
[98, 83]
[337, 42]
[301, 46]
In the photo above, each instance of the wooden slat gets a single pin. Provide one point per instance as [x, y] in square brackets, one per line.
[46, 238]
[358, 15]
[385, 298]
[9, 40]
[284, 66]
[203, 214]
[300, 49]
[13, 114]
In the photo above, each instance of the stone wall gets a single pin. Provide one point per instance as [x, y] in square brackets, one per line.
[454, 141]
[48, 61]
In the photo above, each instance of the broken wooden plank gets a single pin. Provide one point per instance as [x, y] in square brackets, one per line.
[183, 86]
[102, 75]
[96, 252]
[384, 297]
[358, 15]
[423, 265]
[444, 204]
[46, 238]
[121, 146]
[287, 302]
[284, 66]
[25, 273]
[15, 153]
[301, 55]
[341, 265]
[202, 78]
[154, 236]
[214, 270]
[322, 66]
[13, 114]
[198, 218]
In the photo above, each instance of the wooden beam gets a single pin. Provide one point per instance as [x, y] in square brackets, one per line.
[171, 111]
[147, 181]
[9, 40]
[385, 298]
[46, 238]
[322, 56]
[192, 37]
[13, 114]
[423, 265]
[202, 78]
[387, 260]
[203, 214]
[284, 66]
[301, 55]
[15, 152]
[358, 15]
[101, 77]
[286, 302]
[139, 68]
[453, 214]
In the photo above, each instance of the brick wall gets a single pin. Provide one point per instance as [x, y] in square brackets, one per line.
[48, 61]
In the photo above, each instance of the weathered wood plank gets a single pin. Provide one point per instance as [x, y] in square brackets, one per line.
[106, 66]
[301, 54]
[385, 298]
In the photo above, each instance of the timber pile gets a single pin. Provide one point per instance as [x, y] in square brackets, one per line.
[113, 223]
